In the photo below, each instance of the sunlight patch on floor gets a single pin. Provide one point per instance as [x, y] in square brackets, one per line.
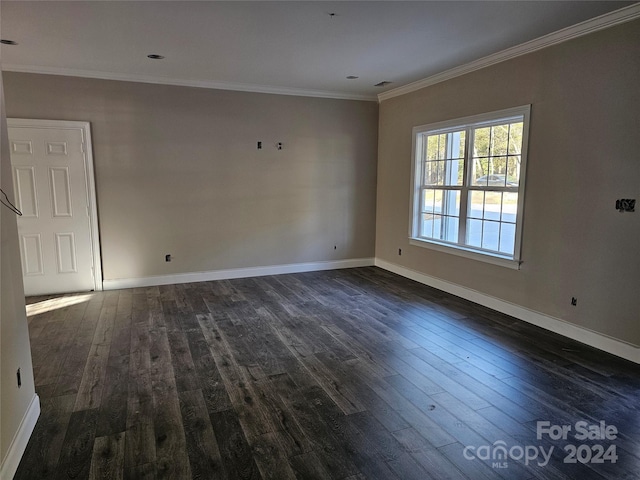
[56, 303]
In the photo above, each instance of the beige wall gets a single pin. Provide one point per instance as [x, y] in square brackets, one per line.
[178, 172]
[15, 351]
[583, 155]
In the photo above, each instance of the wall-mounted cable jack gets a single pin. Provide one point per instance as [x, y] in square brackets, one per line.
[626, 205]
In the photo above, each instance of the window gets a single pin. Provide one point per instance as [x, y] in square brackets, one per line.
[468, 185]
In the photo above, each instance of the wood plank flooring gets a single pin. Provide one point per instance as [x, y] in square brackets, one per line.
[346, 374]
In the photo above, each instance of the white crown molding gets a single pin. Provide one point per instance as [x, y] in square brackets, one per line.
[21, 438]
[238, 87]
[120, 283]
[583, 335]
[607, 20]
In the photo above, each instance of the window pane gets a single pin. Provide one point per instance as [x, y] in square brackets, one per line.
[432, 147]
[428, 197]
[455, 145]
[432, 173]
[515, 139]
[431, 200]
[450, 229]
[460, 172]
[513, 171]
[507, 238]
[481, 137]
[462, 143]
[441, 167]
[442, 145]
[509, 207]
[492, 205]
[453, 172]
[445, 228]
[474, 233]
[499, 139]
[426, 225]
[490, 234]
[437, 201]
[476, 204]
[437, 225]
[498, 172]
[451, 202]
[480, 174]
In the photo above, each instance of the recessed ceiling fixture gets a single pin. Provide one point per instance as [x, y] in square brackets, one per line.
[382, 84]
[8, 42]
[155, 56]
[352, 77]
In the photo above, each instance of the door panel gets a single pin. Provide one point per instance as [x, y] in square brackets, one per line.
[66, 247]
[51, 191]
[60, 191]
[26, 191]
[31, 249]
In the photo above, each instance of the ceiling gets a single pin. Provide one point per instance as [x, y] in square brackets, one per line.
[292, 47]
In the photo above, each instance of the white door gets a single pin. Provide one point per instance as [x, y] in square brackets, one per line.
[56, 229]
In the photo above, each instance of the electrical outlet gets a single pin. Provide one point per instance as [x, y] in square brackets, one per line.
[399, 251]
[167, 257]
[574, 301]
[19, 378]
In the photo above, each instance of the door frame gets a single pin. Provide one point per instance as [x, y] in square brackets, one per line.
[89, 174]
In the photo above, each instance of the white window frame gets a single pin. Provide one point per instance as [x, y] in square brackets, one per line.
[468, 123]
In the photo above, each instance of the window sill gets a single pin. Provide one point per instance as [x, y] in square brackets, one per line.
[467, 253]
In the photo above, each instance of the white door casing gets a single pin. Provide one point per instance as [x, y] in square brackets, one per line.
[55, 191]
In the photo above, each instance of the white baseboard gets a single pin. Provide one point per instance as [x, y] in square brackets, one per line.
[556, 325]
[20, 440]
[235, 273]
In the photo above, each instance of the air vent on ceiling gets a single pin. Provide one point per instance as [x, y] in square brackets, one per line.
[8, 42]
[382, 84]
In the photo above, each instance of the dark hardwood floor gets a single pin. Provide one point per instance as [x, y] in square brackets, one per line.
[346, 374]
